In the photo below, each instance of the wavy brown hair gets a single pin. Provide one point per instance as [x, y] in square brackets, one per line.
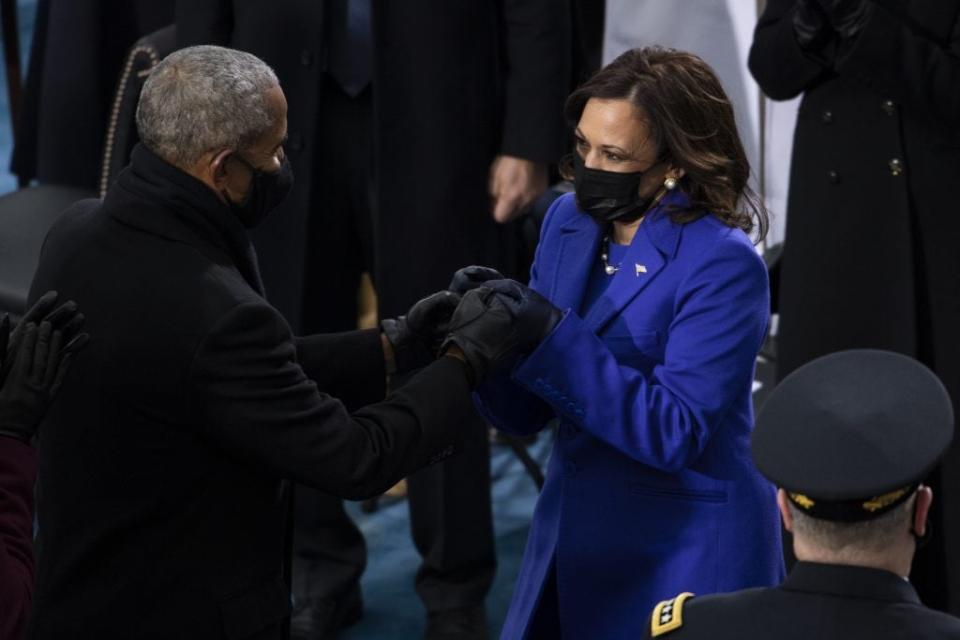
[691, 122]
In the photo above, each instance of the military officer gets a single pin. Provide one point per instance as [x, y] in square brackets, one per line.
[847, 439]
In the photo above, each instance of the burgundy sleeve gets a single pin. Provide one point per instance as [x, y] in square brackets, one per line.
[18, 471]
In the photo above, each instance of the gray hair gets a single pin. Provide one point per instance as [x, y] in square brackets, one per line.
[871, 536]
[202, 99]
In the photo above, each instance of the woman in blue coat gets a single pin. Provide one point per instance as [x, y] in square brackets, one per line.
[660, 305]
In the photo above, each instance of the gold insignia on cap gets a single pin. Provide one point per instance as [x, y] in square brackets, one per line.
[802, 500]
[879, 502]
[668, 615]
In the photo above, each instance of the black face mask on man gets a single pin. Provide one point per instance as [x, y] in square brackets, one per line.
[608, 196]
[267, 191]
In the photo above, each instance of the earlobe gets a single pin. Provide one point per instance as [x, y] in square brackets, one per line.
[785, 513]
[217, 168]
[921, 511]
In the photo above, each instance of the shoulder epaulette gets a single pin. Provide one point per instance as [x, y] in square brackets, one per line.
[668, 615]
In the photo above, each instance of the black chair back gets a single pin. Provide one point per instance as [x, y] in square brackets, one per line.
[26, 215]
[122, 127]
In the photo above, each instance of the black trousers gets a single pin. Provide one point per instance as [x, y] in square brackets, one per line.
[450, 511]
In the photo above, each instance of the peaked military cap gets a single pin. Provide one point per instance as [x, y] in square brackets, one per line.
[850, 435]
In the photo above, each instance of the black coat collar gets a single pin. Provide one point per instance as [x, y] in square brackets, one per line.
[851, 582]
[158, 198]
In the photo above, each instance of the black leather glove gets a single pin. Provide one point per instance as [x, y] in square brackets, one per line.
[811, 26]
[65, 318]
[417, 336]
[534, 317]
[498, 322]
[36, 368]
[472, 277]
[847, 17]
[482, 328]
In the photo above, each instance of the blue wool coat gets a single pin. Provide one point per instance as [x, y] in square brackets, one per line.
[650, 489]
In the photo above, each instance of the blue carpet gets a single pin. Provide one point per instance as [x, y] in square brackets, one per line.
[392, 609]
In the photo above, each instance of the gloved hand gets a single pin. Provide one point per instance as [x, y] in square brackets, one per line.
[472, 277]
[35, 368]
[846, 17]
[534, 316]
[66, 318]
[497, 322]
[811, 28]
[416, 337]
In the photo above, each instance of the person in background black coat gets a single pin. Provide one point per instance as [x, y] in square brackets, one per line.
[34, 358]
[871, 256]
[161, 496]
[75, 59]
[419, 125]
[848, 439]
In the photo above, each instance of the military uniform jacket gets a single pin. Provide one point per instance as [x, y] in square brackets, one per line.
[161, 503]
[819, 601]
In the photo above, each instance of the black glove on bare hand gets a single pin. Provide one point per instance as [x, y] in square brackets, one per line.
[417, 336]
[497, 322]
[472, 277]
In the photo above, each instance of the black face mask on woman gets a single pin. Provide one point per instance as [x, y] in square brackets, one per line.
[608, 196]
[267, 191]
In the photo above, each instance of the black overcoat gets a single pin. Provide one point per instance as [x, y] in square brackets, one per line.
[455, 83]
[161, 501]
[871, 258]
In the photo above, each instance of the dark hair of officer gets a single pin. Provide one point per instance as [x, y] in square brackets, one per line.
[691, 120]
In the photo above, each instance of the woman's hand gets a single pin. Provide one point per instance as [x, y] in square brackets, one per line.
[471, 277]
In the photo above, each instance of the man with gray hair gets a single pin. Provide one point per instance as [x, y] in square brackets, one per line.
[162, 501]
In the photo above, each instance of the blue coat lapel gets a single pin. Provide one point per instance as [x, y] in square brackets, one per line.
[654, 243]
[579, 249]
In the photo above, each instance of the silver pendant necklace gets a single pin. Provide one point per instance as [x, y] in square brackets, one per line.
[608, 268]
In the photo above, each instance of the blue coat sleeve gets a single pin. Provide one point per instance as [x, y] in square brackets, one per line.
[664, 421]
[504, 404]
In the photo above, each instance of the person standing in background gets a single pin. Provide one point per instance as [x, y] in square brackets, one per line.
[870, 259]
[34, 358]
[419, 127]
[75, 59]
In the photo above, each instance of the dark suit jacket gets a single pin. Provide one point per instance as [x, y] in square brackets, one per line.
[18, 470]
[456, 83]
[822, 601]
[161, 507]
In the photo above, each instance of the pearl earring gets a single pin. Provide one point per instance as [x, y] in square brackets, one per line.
[670, 184]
